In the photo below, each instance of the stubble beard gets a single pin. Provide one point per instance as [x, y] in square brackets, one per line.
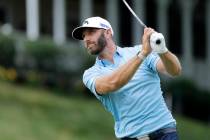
[101, 43]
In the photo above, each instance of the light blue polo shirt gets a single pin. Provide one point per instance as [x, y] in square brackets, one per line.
[138, 107]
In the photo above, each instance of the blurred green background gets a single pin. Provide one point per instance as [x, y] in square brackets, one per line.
[30, 113]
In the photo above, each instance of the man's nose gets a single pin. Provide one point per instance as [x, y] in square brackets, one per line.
[86, 38]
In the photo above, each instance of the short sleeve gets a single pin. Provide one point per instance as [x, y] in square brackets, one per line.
[137, 48]
[89, 78]
[152, 60]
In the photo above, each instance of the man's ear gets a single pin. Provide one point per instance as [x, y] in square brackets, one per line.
[109, 32]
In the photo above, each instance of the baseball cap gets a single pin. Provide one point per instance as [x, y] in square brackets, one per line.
[92, 22]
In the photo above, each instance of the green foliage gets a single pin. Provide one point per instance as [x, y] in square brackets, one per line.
[7, 51]
[36, 114]
[43, 63]
[44, 53]
[191, 129]
[46, 64]
[8, 73]
[191, 100]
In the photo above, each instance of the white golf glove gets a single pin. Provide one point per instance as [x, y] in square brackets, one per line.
[157, 43]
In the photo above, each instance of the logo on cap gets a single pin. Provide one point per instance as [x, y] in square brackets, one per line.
[85, 22]
[104, 25]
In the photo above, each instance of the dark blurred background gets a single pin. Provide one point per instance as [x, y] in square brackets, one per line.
[37, 50]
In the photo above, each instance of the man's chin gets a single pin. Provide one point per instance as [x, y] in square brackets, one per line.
[94, 52]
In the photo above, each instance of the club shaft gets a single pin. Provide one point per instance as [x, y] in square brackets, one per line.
[134, 14]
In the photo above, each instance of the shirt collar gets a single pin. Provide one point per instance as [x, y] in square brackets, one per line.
[104, 62]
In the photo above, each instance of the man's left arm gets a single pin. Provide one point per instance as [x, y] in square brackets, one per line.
[169, 64]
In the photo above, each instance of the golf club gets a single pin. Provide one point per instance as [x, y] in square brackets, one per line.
[157, 40]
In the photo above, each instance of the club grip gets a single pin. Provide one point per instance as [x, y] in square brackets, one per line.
[157, 43]
[156, 38]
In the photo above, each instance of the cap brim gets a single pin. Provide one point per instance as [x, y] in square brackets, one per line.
[77, 33]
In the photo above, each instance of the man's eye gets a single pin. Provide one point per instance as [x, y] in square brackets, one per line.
[83, 36]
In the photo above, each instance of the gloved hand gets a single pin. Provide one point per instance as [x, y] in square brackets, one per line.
[157, 43]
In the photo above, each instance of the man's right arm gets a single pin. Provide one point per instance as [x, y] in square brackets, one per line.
[124, 73]
[117, 79]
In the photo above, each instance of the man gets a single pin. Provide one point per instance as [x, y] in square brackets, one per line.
[126, 81]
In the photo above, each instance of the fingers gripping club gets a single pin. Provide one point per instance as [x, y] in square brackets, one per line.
[157, 40]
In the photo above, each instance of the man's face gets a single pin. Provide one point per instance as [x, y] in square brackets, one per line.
[94, 40]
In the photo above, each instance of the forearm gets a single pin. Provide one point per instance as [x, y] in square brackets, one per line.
[171, 63]
[119, 77]
[122, 75]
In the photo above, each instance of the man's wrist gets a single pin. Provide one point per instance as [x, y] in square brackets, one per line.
[141, 56]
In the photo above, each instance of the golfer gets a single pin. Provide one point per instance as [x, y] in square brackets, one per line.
[126, 81]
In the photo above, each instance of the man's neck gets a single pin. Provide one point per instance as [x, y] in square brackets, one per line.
[108, 52]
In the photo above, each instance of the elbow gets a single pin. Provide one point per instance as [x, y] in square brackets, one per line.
[177, 72]
[110, 86]
[114, 85]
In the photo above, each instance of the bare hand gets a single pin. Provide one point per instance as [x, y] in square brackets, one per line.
[146, 48]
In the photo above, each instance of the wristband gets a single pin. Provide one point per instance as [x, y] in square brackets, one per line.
[141, 56]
